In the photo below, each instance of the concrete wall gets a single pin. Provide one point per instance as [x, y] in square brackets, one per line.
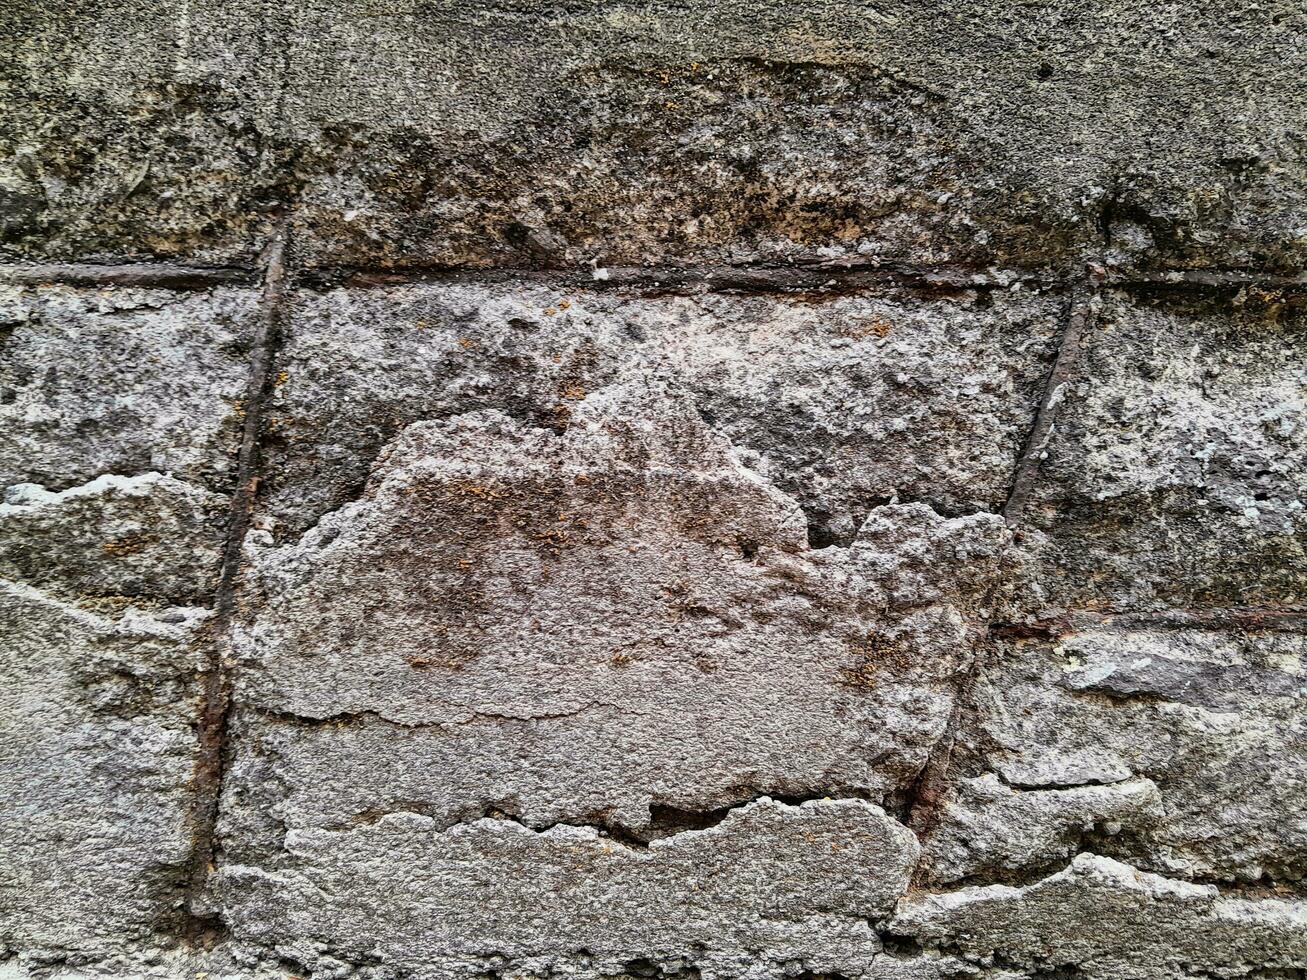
[496, 489]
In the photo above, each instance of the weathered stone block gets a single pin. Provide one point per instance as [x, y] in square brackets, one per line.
[582, 624]
[988, 830]
[96, 753]
[619, 626]
[1177, 472]
[119, 420]
[636, 393]
[1177, 749]
[149, 537]
[1100, 918]
[843, 402]
[406, 133]
[122, 381]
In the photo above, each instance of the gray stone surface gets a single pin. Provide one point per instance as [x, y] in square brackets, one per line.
[1177, 474]
[1102, 918]
[96, 750]
[505, 491]
[991, 830]
[1180, 750]
[107, 566]
[799, 882]
[148, 537]
[121, 381]
[844, 403]
[410, 133]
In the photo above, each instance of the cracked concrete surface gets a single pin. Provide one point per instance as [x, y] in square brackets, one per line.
[801, 882]
[588, 624]
[1101, 918]
[495, 491]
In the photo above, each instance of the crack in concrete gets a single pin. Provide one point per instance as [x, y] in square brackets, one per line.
[666, 822]
[831, 278]
[800, 276]
[1023, 879]
[1203, 280]
[1252, 619]
[1023, 787]
[925, 796]
[373, 717]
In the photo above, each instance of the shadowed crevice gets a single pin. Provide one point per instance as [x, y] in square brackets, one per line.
[665, 820]
[145, 275]
[1082, 309]
[216, 679]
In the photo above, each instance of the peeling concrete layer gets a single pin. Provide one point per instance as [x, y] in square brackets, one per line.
[565, 626]
[800, 882]
[1144, 926]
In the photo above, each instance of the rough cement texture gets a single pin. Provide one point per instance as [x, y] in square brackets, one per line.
[798, 881]
[1102, 918]
[147, 537]
[415, 133]
[803, 389]
[121, 381]
[96, 717]
[1107, 724]
[1189, 416]
[504, 491]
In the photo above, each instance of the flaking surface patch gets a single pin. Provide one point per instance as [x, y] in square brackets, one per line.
[593, 627]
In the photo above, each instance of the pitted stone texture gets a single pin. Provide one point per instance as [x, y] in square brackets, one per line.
[246, 961]
[470, 133]
[843, 402]
[592, 627]
[152, 963]
[541, 595]
[1105, 920]
[1090, 731]
[1177, 473]
[770, 885]
[96, 754]
[990, 830]
[122, 381]
[149, 537]
[127, 132]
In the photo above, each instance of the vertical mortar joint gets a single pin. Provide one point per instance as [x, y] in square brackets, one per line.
[216, 678]
[1082, 309]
